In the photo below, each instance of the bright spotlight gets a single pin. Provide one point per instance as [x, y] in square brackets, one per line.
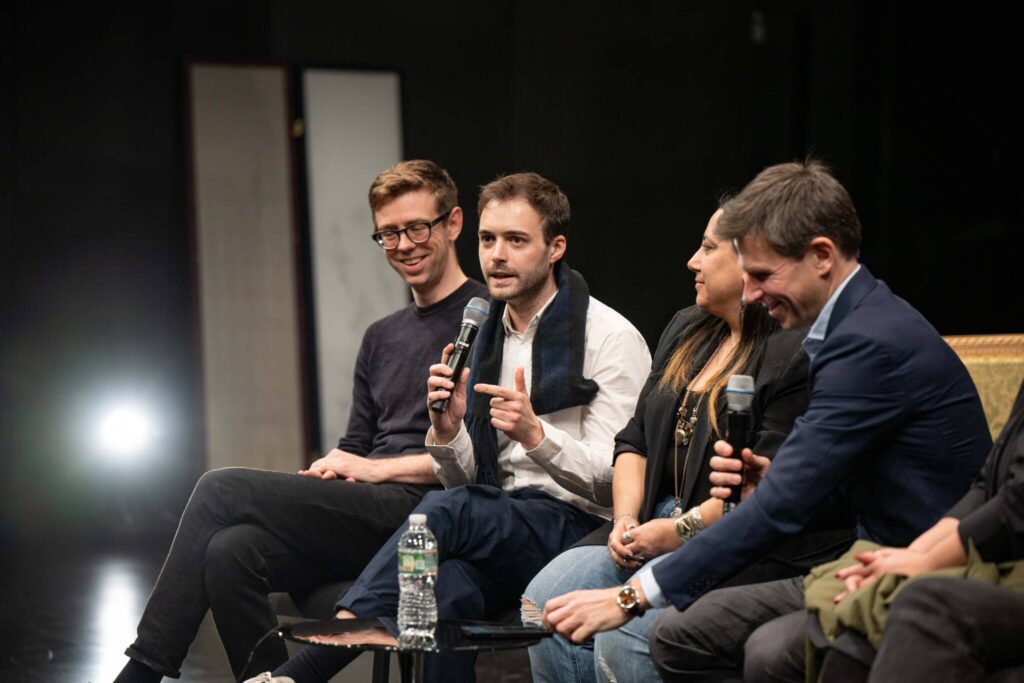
[126, 431]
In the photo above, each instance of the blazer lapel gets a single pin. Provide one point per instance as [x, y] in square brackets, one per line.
[858, 288]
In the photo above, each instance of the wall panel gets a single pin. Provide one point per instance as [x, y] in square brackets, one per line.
[244, 239]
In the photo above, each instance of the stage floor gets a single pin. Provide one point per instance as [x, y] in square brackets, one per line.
[67, 614]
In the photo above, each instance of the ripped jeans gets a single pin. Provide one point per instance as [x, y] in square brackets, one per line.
[613, 657]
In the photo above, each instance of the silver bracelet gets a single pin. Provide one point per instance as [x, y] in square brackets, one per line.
[689, 524]
[615, 519]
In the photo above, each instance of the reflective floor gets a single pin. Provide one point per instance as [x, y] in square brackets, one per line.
[67, 614]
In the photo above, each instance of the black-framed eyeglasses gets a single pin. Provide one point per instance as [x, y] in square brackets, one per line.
[418, 233]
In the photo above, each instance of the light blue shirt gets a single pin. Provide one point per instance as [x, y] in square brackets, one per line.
[811, 343]
[816, 335]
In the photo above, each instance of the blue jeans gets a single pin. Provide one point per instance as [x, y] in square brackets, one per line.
[623, 655]
[556, 659]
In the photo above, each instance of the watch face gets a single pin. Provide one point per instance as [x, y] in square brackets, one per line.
[627, 598]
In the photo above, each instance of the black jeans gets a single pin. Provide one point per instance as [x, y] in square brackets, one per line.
[246, 533]
[952, 630]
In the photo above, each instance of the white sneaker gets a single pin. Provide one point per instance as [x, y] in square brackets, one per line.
[265, 677]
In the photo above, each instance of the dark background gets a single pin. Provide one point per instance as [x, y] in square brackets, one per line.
[642, 111]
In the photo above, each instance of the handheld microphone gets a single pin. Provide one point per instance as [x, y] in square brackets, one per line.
[739, 395]
[473, 316]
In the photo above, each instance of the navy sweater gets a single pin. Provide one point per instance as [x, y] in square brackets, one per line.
[389, 393]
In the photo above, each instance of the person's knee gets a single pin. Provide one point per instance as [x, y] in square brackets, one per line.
[663, 644]
[215, 484]
[579, 568]
[924, 601]
[536, 593]
[676, 641]
[546, 584]
[430, 499]
[452, 504]
[436, 501]
[924, 595]
[691, 628]
[759, 655]
[535, 596]
[774, 651]
[230, 558]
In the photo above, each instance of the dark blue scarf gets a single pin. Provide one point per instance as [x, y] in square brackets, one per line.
[557, 382]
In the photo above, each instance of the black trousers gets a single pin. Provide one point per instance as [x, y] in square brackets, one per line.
[749, 633]
[246, 533]
[952, 630]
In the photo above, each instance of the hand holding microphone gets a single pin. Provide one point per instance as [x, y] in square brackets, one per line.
[447, 382]
[739, 396]
[729, 469]
[473, 316]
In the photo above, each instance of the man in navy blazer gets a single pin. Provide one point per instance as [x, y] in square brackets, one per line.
[893, 434]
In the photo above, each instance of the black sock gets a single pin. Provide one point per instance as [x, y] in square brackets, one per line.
[316, 663]
[137, 672]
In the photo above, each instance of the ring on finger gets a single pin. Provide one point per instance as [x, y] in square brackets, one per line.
[627, 537]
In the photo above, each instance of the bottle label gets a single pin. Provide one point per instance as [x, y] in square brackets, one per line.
[417, 563]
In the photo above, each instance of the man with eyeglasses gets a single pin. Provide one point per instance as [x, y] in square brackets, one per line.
[246, 533]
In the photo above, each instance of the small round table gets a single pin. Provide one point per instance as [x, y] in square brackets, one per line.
[380, 637]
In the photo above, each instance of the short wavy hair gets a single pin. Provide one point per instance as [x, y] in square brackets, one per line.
[540, 193]
[417, 174]
[791, 204]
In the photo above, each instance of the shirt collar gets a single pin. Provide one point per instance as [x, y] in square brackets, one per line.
[506, 320]
[816, 334]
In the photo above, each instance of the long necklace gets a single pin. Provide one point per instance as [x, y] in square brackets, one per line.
[683, 437]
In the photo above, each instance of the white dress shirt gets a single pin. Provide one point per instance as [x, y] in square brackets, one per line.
[574, 460]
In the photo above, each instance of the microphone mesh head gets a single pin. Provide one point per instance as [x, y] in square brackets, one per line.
[739, 393]
[476, 311]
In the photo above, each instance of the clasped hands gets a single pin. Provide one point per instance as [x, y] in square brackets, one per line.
[874, 564]
[630, 543]
[511, 410]
[339, 464]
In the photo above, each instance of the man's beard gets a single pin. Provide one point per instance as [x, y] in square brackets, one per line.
[529, 284]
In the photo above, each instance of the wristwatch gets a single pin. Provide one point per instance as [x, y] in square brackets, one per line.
[689, 524]
[629, 600]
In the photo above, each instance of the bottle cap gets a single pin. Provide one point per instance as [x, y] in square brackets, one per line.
[418, 518]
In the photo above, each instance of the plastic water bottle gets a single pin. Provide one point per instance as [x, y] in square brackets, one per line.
[417, 574]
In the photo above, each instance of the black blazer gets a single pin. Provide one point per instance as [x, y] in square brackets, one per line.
[992, 512]
[781, 396]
